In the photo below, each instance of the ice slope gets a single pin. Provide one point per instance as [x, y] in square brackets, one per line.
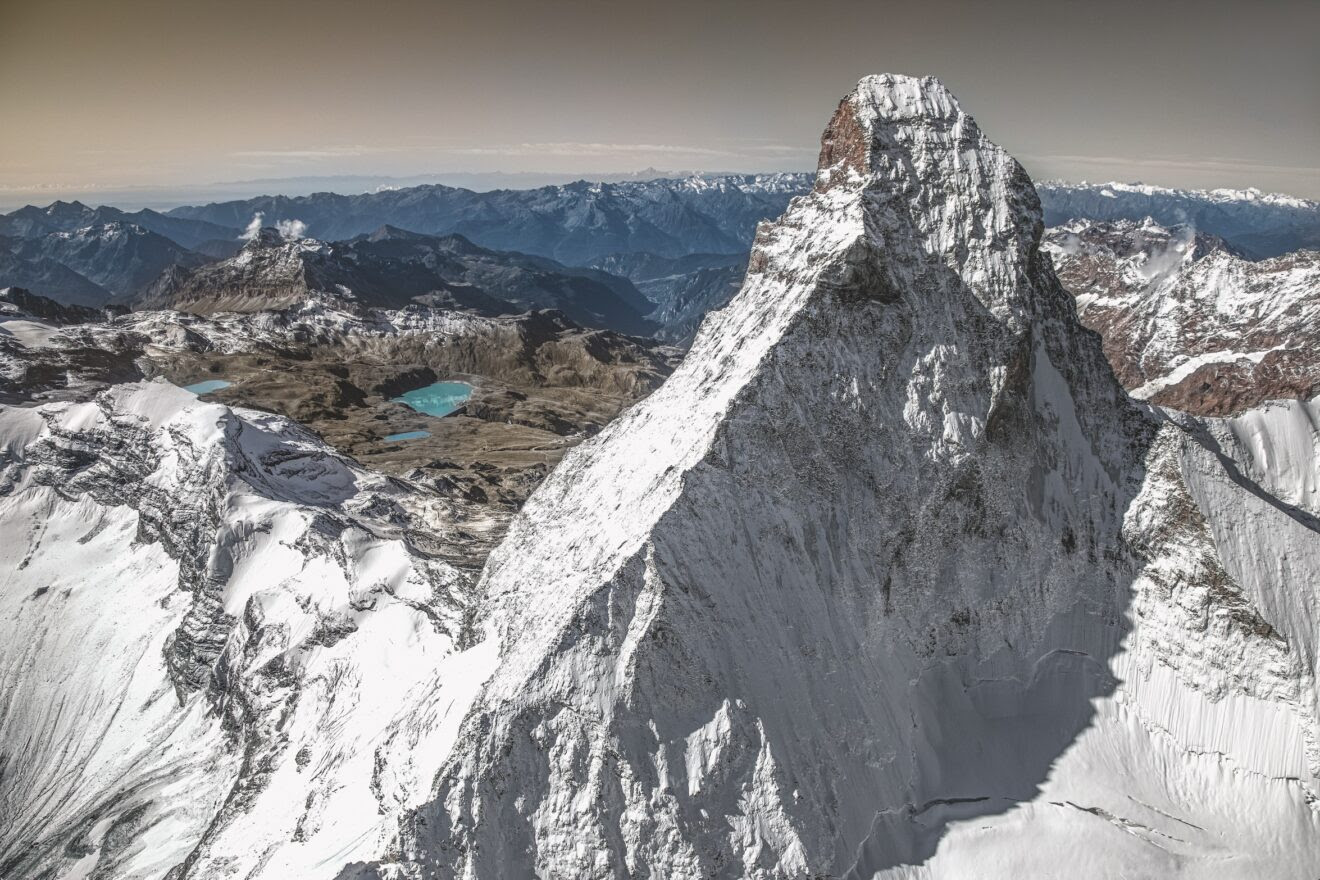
[891, 579]
[209, 620]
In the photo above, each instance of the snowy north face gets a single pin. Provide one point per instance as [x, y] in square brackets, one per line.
[890, 578]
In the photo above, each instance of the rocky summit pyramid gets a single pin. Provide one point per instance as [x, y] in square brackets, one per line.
[890, 578]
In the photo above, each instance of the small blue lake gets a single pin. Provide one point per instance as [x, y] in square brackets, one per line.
[408, 435]
[208, 386]
[438, 399]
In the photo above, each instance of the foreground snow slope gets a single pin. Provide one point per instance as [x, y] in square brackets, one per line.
[209, 620]
[892, 579]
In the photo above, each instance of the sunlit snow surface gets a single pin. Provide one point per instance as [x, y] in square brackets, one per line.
[124, 728]
[1171, 302]
[30, 333]
[891, 579]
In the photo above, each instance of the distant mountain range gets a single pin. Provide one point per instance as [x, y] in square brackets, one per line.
[1258, 224]
[682, 289]
[78, 254]
[121, 258]
[1188, 322]
[669, 250]
[34, 222]
[391, 268]
[53, 279]
[575, 223]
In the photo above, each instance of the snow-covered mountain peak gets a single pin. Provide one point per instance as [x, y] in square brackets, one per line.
[880, 113]
[866, 555]
[920, 224]
[1148, 251]
[1257, 224]
[928, 182]
[895, 97]
[934, 219]
[269, 237]
[1188, 321]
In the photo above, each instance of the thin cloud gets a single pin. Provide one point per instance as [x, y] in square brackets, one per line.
[335, 152]
[1182, 164]
[601, 150]
[253, 227]
[575, 148]
[291, 230]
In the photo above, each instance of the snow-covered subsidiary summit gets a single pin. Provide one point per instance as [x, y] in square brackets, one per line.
[890, 578]
[1187, 322]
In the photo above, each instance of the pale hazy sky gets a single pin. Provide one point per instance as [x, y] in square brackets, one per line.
[138, 92]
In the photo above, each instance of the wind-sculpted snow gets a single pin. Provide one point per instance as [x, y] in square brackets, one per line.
[890, 578]
[210, 621]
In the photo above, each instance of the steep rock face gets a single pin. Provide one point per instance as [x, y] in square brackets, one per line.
[891, 578]
[120, 257]
[268, 273]
[1189, 323]
[209, 618]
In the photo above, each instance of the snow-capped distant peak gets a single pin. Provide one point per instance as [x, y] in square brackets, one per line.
[1250, 194]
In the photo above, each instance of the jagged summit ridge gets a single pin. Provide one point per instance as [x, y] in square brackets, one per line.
[933, 182]
[868, 238]
[858, 576]
[869, 118]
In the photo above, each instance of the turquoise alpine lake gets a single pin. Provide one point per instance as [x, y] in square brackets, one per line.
[438, 399]
[408, 435]
[208, 386]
